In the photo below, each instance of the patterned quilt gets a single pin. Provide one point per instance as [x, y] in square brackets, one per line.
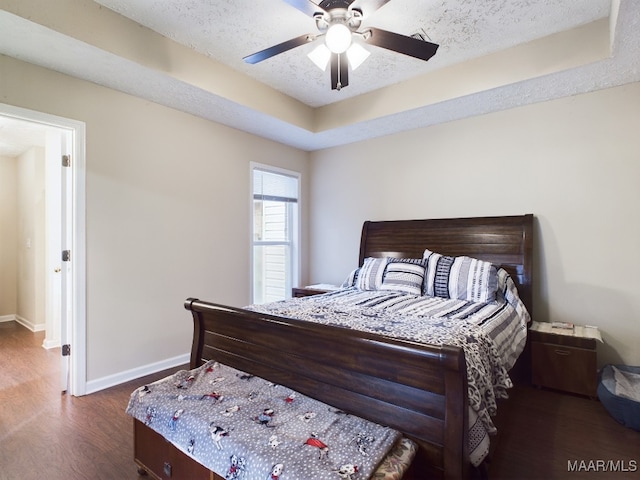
[243, 427]
[492, 336]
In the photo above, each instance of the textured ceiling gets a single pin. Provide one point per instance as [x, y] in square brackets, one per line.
[229, 30]
[18, 136]
[493, 55]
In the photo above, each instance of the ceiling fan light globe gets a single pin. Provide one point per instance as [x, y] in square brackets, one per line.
[357, 54]
[320, 56]
[338, 38]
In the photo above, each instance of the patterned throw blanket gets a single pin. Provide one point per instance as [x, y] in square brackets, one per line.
[243, 427]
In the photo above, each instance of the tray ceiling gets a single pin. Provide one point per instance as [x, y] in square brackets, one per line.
[493, 55]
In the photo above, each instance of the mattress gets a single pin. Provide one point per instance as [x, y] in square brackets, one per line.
[492, 335]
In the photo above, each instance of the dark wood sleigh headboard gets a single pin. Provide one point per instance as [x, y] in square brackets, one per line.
[506, 242]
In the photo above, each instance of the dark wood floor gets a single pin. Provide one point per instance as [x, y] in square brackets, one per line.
[542, 431]
[47, 435]
[44, 434]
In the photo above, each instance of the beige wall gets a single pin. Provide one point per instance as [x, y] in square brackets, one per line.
[8, 237]
[168, 206]
[31, 238]
[573, 162]
[167, 213]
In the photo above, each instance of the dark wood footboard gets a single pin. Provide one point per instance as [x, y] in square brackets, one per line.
[418, 389]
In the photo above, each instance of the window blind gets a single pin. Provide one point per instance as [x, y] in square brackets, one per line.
[274, 187]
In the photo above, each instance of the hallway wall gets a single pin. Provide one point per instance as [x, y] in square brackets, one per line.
[31, 239]
[8, 238]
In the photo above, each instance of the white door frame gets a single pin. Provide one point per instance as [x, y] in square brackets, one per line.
[76, 325]
[53, 235]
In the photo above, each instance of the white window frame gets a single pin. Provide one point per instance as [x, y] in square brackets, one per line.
[297, 232]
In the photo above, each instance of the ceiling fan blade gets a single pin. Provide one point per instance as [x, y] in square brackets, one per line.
[368, 6]
[276, 49]
[339, 71]
[306, 6]
[402, 44]
[331, 4]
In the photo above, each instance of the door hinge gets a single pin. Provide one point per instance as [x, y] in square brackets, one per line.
[66, 255]
[66, 160]
[66, 350]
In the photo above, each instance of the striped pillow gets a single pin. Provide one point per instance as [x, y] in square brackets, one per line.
[371, 273]
[462, 278]
[404, 275]
[350, 281]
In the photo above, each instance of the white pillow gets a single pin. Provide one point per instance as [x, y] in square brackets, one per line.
[371, 273]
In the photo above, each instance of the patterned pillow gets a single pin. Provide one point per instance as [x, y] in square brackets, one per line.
[462, 278]
[350, 281]
[371, 273]
[404, 275]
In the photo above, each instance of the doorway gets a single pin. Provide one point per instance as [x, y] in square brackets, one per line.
[65, 138]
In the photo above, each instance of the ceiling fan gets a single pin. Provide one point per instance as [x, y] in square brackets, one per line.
[338, 22]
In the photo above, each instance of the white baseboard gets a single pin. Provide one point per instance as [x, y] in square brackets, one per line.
[34, 327]
[49, 344]
[126, 376]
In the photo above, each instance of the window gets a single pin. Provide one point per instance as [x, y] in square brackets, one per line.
[275, 233]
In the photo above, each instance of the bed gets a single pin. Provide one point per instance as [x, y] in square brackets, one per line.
[418, 389]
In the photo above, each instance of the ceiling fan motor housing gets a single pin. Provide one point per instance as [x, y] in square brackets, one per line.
[351, 18]
[331, 4]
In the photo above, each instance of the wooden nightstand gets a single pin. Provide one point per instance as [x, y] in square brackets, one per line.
[306, 291]
[564, 359]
